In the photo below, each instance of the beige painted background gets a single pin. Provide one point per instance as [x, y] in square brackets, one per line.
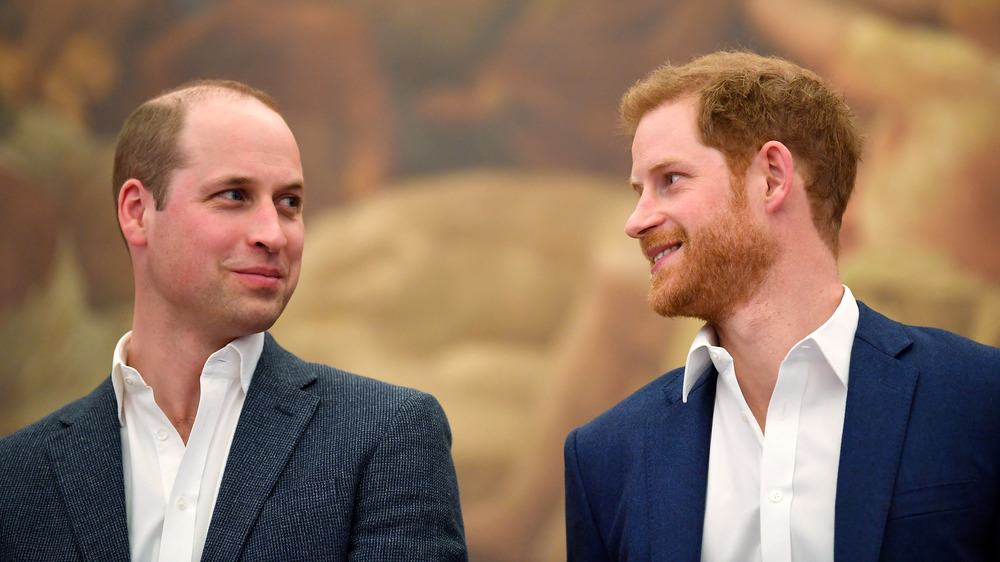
[467, 194]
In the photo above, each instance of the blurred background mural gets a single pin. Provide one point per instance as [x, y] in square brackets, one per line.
[467, 193]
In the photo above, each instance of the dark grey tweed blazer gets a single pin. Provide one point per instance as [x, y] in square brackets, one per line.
[325, 465]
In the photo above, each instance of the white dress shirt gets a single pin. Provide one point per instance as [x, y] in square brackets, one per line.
[771, 496]
[170, 488]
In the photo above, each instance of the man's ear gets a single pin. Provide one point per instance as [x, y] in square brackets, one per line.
[135, 203]
[775, 162]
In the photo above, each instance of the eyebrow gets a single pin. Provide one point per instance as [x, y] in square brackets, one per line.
[240, 181]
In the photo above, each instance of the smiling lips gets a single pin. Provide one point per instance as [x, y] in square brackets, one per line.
[264, 276]
[660, 252]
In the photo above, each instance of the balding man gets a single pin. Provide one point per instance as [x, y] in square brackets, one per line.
[209, 441]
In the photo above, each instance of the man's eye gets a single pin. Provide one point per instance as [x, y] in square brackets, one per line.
[292, 201]
[232, 195]
[671, 178]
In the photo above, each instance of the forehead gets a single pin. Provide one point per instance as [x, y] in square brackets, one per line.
[673, 123]
[227, 125]
[669, 135]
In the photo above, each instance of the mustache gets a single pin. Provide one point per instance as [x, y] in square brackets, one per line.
[663, 238]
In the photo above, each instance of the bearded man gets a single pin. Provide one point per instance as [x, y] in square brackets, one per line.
[804, 425]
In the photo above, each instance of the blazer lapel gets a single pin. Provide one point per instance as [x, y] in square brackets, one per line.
[274, 416]
[879, 394]
[677, 469]
[86, 459]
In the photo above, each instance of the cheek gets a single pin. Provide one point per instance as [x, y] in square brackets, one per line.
[295, 242]
[203, 231]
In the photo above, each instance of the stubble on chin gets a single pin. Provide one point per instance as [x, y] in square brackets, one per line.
[249, 313]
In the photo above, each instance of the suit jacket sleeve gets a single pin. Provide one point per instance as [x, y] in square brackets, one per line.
[408, 504]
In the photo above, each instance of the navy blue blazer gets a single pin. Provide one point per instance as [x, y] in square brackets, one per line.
[324, 465]
[919, 460]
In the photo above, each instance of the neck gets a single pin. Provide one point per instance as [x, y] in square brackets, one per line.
[793, 303]
[171, 362]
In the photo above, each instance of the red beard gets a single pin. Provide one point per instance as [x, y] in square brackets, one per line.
[717, 268]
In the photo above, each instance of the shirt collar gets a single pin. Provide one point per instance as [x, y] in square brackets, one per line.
[835, 339]
[247, 351]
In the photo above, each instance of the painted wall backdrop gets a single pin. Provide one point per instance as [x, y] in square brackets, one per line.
[467, 194]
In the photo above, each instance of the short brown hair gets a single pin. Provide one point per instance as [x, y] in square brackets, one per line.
[746, 100]
[147, 147]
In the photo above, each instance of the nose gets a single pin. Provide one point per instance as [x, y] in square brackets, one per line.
[267, 230]
[644, 217]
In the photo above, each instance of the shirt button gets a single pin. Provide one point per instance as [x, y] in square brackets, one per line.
[129, 379]
[181, 503]
[162, 434]
[745, 418]
[776, 496]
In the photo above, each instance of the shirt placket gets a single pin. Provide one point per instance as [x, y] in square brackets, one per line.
[778, 460]
[182, 507]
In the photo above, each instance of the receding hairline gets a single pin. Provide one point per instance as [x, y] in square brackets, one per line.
[148, 145]
[191, 93]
